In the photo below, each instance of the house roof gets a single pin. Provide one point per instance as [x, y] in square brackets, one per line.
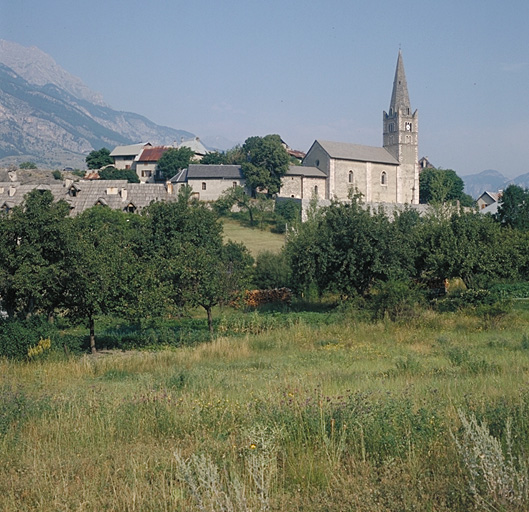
[306, 171]
[130, 150]
[195, 145]
[357, 152]
[151, 154]
[223, 172]
[493, 195]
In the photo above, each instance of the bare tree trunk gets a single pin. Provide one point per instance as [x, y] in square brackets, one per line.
[92, 334]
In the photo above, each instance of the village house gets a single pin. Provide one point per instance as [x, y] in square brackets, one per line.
[208, 182]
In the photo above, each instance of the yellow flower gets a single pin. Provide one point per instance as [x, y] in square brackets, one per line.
[253, 447]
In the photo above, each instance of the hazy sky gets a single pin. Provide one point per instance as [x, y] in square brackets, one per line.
[303, 69]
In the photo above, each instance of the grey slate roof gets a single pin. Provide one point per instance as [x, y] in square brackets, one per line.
[130, 150]
[357, 152]
[205, 171]
[116, 194]
[306, 171]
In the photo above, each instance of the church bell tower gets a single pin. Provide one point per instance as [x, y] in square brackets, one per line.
[400, 137]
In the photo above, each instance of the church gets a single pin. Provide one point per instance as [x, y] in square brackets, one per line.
[387, 174]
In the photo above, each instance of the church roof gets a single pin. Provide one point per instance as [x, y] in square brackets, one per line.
[357, 152]
[306, 171]
[399, 96]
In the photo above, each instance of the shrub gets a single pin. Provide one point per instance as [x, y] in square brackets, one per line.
[496, 478]
[18, 336]
[395, 299]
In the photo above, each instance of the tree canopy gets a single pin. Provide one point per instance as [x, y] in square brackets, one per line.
[99, 158]
[111, 173]
[513, 208]
[442, 186]
[267, 161]
[174, 160]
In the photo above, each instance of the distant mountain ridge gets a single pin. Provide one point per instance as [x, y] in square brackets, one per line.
[50, 117]
[491, 181]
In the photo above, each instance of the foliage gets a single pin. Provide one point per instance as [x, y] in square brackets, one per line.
[17, 337]
[345, 248]
[33, 253]
[174, 160]
[256, 207]
[266, 163]
[57, 175]
[398, 300]
[441, 186]
[98, 158]
[214, 158]
[513, 208]
[28, 165]
[111, 173]
[496, 478]
[101, 265]
[271, 270]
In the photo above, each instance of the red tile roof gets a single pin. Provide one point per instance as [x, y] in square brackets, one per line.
[152, 154]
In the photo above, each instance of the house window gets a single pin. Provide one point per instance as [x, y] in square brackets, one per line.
[351, 177]
[316, 190]
[383, 178]
[234, 184]
[203, 185]
[146, 174]
[317, 163]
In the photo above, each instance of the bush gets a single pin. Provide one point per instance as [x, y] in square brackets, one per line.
[271, 271]
[396, 299]
[18, 336]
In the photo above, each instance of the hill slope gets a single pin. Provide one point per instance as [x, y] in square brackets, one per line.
[52, 118]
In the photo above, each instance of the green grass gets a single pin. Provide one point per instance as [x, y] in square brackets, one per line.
[255, 239]
[306, 415]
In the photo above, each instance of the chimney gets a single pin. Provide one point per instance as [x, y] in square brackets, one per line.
[12, 191]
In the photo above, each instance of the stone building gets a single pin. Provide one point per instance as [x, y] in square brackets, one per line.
[387, 174]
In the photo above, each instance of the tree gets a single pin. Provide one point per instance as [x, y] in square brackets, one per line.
[214, 158]
[266, 163]
[35, 243]
[99, 158]
[441, 186]
[513, 208]
[111, 173]
[345, 248]
[174, 160]
[102, 264]
[255, 206]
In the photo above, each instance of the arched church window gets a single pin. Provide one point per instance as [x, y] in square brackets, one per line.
[351, 177]
[316, 190]
[383, 178]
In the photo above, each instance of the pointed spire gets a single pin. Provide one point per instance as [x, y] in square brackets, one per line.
[399, 96]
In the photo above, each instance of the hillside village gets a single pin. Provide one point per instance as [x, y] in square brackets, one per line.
[387, 175]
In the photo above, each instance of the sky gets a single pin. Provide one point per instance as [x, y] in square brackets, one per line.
[306, 70]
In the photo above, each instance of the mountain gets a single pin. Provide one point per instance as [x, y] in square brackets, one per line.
[491, 181]
[50, 117]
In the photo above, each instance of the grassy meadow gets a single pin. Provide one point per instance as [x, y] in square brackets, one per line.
[257, 240]
[331, 414]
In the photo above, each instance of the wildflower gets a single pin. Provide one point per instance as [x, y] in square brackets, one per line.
[253, 447]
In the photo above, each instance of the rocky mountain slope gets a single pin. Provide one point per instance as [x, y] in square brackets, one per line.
[50, 117]
[491, 181]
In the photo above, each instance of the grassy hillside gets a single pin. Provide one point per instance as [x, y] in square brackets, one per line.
[257, 240]
[327, 414]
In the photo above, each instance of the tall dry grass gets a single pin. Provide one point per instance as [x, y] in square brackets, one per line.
[364, 416]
